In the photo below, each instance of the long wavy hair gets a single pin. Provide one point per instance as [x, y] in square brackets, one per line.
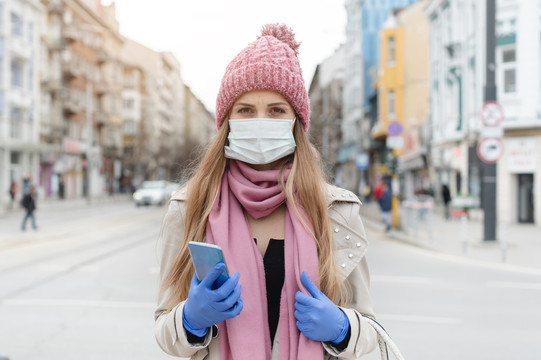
[305, 188]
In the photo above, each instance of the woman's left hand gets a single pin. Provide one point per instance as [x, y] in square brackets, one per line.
[318, 318]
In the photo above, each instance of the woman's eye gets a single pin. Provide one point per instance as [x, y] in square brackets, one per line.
[244, 110]
[278, 111]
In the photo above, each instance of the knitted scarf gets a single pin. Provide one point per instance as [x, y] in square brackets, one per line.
[247, 335]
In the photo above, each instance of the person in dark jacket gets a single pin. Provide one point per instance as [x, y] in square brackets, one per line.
[386, 204]
[29, 204]
[446, 195]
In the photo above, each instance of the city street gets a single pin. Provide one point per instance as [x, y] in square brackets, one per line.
[83, 286]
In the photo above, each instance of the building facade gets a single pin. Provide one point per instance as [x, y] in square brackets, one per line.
[163, 109]
[20, 97]
[457, 79]
[85, 112]
[403, 96]
[326, 99]
[364, 21]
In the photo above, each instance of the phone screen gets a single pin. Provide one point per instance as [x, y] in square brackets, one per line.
[204, 257]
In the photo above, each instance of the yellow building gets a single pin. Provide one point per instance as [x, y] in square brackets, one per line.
[391, 78]
[403, 99]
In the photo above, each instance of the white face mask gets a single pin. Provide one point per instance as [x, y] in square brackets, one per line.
[260, 141]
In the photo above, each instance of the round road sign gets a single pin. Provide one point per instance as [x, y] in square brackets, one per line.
[395, 128]
[490, 149]
[491, 114]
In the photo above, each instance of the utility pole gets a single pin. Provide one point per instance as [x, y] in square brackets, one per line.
[490, 169]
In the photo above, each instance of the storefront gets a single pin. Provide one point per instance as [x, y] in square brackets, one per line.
[518, 174]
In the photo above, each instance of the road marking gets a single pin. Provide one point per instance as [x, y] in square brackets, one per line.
[400, 279]
[514, 285]
[64, 268]
[420, 319]
[79, 303]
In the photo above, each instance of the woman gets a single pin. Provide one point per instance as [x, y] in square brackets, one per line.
[295, 246]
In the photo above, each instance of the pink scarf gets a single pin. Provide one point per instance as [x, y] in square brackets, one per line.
[247, 335]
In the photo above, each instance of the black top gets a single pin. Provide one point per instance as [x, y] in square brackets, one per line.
[273, 261]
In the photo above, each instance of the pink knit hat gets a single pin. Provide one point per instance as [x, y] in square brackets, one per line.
[269, 63]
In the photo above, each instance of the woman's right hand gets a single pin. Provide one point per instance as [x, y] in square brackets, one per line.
[206, 307]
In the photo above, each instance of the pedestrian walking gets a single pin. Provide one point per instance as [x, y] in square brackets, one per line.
[12, 192]
[293, 244]
[28, 202]
[386, 205]
[446, 195]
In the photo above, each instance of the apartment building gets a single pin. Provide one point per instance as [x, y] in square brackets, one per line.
[326, 100]
[457, 79]
[163, 107]
[403, 96]
[20, 25]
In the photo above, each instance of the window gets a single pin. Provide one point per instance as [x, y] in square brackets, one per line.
[509, 71]
[30, 78]
[509, 81]
[16, 122]
[1, 58]
[128, 104]
[30, 32]
[129, 128]
[73, 129]
[392, 51]
[16, 74]
[16, 24]
[391, 105]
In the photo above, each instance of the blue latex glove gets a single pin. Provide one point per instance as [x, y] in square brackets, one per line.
[318, 318]
[206, 306]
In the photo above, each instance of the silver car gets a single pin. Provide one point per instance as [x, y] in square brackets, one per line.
[152, 193]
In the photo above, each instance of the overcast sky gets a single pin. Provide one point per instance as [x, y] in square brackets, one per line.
[205, 35]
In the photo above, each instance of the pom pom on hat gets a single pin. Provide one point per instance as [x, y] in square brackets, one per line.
[282, 33]
[269, 63]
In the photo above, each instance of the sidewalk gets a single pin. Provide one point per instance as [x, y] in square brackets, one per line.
[51, 217]
[518, 245]
[64, 203]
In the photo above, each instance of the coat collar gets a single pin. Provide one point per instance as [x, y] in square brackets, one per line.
[350, 243]
[334, 194]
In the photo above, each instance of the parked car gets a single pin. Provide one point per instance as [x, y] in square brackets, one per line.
[152, 193]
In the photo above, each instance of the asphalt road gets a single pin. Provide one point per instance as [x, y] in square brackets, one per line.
[84, 286]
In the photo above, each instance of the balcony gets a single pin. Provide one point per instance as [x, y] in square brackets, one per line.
[55, 6]
[56, 44]
[71, 104]
[20, 98]
[102, 117]
[20, 48]
[102, 57]
[101, 88]
[71, 70]
[70, 33]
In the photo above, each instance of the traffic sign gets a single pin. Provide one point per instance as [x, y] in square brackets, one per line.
[395, 128]
[490, 149]
[394, 142]
[362, 161]
[492, 114]
[491, 132]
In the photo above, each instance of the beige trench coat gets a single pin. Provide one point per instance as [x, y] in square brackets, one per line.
[350, 245]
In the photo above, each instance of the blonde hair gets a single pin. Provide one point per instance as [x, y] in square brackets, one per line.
[305, 187]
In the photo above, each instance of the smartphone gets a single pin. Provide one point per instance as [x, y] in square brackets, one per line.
[204, 257]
